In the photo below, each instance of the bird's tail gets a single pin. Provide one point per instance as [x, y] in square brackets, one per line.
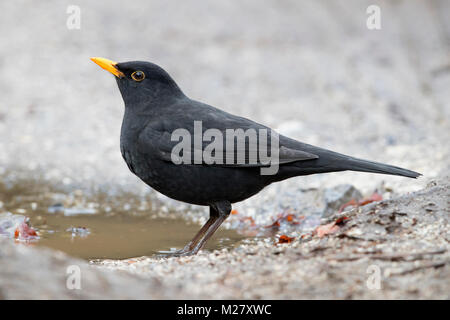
[330, 161]
[356, 164]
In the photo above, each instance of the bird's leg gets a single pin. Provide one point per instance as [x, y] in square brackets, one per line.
[218, 212]
[196, 246]
[212, 219]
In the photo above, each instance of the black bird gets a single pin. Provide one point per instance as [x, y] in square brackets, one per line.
[155, 107]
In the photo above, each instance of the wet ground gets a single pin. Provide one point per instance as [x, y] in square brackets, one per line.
[98, 225]
[93, 228]
[121, 237]
[394, 249]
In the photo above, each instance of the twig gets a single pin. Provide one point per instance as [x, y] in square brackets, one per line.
[407, 257]
[425, 266]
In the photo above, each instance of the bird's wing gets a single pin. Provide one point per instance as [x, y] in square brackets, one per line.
[158, 138]
[161, 146]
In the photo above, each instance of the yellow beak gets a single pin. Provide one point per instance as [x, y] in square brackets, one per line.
[109, 66]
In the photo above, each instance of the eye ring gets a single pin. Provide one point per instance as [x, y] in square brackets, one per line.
[138, 76]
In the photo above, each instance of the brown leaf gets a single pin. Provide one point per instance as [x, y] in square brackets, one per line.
[330, 228]
[25, 232]
[285, 239]
[374, 197]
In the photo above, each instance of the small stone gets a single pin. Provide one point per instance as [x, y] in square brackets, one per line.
[335, 197]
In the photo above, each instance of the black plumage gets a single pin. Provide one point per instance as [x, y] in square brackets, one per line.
[155, 107]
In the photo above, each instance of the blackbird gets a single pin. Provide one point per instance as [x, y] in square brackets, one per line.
[155, 108]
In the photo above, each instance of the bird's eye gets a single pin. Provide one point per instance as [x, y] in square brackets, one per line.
[138, 76]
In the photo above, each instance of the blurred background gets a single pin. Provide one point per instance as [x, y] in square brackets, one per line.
[312, 69]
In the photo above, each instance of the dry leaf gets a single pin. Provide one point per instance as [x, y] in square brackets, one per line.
[353, 203]
[330, 228]
[285, 239]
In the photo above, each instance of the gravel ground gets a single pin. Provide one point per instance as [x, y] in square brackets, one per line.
[404, 241]
[309, 68]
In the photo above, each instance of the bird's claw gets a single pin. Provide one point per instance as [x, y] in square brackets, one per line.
[186, 251]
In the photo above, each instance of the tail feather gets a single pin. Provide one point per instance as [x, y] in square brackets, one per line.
[331, 161]
[355, 164]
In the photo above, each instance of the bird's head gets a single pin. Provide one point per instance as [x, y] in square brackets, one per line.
[141, 83]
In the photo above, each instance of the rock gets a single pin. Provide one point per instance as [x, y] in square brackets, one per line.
[335, 197]
[37, 273]
[81, 232]
[9, 223]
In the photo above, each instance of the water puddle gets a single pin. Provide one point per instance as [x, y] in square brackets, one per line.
[120, 236]
[97, 226]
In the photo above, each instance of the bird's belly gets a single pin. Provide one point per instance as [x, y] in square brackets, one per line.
[199, 184]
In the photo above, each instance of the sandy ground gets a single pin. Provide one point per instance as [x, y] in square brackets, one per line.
[309, 68]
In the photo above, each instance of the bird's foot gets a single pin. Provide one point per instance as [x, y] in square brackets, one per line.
[186, 251]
